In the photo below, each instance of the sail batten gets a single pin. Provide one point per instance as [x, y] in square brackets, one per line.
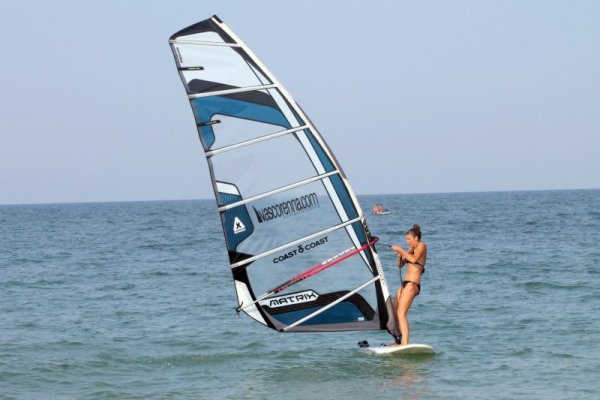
[284, 202]
[254, 141]
[231, 91]
[333, 303]
[203, 43]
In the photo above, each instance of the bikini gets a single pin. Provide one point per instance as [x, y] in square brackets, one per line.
[404, 283]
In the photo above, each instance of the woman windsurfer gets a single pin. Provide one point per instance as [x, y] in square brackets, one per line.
[415, 259]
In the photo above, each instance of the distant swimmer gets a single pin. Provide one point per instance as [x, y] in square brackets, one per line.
[415, 259]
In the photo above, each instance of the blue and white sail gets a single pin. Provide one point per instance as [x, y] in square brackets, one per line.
[299, 249]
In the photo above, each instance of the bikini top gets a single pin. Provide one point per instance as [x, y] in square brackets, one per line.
[412, 251]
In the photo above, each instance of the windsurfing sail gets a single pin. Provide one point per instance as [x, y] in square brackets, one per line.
[299, 249]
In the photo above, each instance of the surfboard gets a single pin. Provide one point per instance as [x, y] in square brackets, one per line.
[421, 349]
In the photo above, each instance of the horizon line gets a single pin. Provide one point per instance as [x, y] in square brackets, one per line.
[358, 194]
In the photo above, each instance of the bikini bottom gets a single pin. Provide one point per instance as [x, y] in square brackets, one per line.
[416, 284]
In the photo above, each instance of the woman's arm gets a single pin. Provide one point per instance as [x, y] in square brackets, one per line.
[411, 258]
[401, 261]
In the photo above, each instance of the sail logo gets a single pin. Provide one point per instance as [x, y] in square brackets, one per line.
[300, 249]
[238, 226]
[292, 298]
[287, 208]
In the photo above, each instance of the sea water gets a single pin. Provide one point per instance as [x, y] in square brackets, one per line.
[135, 300]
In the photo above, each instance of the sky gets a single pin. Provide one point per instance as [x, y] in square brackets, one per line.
[412, 97]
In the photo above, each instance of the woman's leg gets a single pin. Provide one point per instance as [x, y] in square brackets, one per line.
[395, 303]
[406, 297]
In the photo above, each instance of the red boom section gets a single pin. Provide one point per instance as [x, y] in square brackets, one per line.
[321, 267]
